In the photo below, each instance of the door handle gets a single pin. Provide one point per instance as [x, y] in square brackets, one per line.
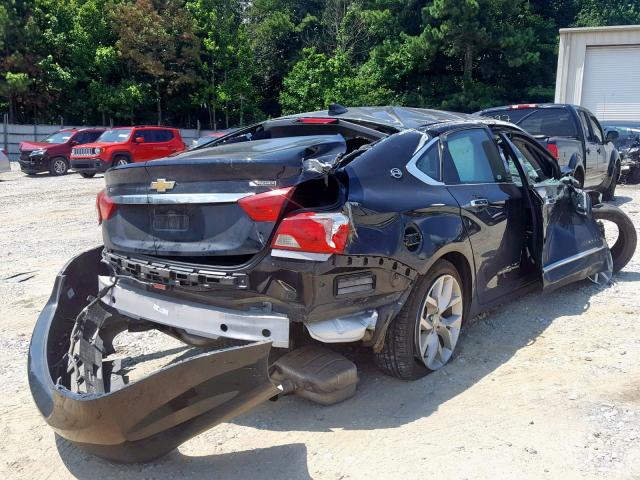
[598, 150]
[479, 203]
[588, 150]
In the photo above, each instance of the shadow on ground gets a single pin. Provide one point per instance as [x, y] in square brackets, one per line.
[282, 462]
[381, 402]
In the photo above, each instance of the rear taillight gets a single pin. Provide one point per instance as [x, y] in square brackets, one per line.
[105, 206]
[266, 207]
[313, 233]
[553, 150]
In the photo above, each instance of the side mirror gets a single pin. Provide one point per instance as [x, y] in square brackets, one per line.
[139, 139]
[73, 143]
[612, 135]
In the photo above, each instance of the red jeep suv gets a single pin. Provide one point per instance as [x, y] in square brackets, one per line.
[122, 145]
[52, 154]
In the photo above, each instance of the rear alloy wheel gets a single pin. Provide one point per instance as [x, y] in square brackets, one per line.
[425, 332]
[120, 161]
[440, 322]
[58, 166]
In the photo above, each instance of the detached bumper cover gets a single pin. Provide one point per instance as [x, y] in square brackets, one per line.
[147, 418]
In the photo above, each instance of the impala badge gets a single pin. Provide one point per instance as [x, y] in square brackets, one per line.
[161, 185]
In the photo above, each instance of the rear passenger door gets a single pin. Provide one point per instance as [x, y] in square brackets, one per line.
[602, 150]
[592, 151]
[158, 143]
[492, 208]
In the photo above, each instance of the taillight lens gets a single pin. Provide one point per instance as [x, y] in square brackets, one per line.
[313, 233]
[105, 206]
[553, 149]
[266, 207]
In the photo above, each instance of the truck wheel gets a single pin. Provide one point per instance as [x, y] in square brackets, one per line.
[58, 166]
[87, 175]
[425, 332]
[610, 192]
[579, 176]
[120, 160]
[625, 246]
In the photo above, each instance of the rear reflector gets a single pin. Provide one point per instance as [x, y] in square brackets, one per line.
[105, 206]
[266, 207]
[553, 149]
[317, 121]
[313, 233]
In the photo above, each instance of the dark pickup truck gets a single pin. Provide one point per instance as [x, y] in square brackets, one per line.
[574, 137]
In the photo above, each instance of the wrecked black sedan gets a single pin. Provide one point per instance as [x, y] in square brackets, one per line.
[385, 227]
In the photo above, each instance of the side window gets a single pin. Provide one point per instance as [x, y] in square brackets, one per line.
[597, 131]
[472, 157]
[81, 138]
[93, 136]
[148, 135]
[586, 125]
[429, 162]
[164, 135]
[507, 156]
[531, 161]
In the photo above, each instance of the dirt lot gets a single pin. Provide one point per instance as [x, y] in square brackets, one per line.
[543, 387]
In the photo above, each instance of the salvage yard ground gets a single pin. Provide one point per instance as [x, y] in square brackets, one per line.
[544, 387]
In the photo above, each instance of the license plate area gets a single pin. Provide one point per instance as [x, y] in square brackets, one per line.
[170, 221]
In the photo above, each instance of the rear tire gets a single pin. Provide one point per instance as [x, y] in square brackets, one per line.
[58, 166]
[610, 192]
[579, 176]
[625, 246]
[401, 356]
[87, 175]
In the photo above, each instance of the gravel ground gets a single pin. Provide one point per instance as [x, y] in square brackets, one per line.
[542, 387]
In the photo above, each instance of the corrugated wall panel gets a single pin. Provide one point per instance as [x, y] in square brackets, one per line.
[611, 87]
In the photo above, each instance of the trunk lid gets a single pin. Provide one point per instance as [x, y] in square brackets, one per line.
[187, 207]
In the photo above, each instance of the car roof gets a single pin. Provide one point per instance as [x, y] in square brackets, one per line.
[522, 106]
[400, 118]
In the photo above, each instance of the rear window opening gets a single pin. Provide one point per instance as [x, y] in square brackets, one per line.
[355, 135]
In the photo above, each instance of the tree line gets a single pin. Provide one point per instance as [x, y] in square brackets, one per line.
[232, 62]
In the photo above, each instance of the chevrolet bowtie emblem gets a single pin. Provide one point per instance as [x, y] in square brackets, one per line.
[161, 185]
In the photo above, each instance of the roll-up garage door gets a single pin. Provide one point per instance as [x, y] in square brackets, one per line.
[611, 82]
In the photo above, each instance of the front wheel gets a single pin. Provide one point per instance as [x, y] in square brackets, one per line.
[120, 161]
[425, 332]
[58, 166]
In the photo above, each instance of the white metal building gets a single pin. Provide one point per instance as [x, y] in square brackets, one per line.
[599, 68]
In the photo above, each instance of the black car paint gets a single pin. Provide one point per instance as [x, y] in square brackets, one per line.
[401, 227]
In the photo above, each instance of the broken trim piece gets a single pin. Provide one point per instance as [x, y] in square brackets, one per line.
[198, 319]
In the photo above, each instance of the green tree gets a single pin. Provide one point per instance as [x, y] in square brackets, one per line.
[157, 42]
[597, 13]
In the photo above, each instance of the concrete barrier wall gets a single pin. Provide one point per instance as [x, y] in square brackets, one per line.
[11, 135]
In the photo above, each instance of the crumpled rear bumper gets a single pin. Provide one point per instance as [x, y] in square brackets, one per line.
[149, 417]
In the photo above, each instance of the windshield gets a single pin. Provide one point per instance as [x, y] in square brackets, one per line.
[115, 136]
[60, 137]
